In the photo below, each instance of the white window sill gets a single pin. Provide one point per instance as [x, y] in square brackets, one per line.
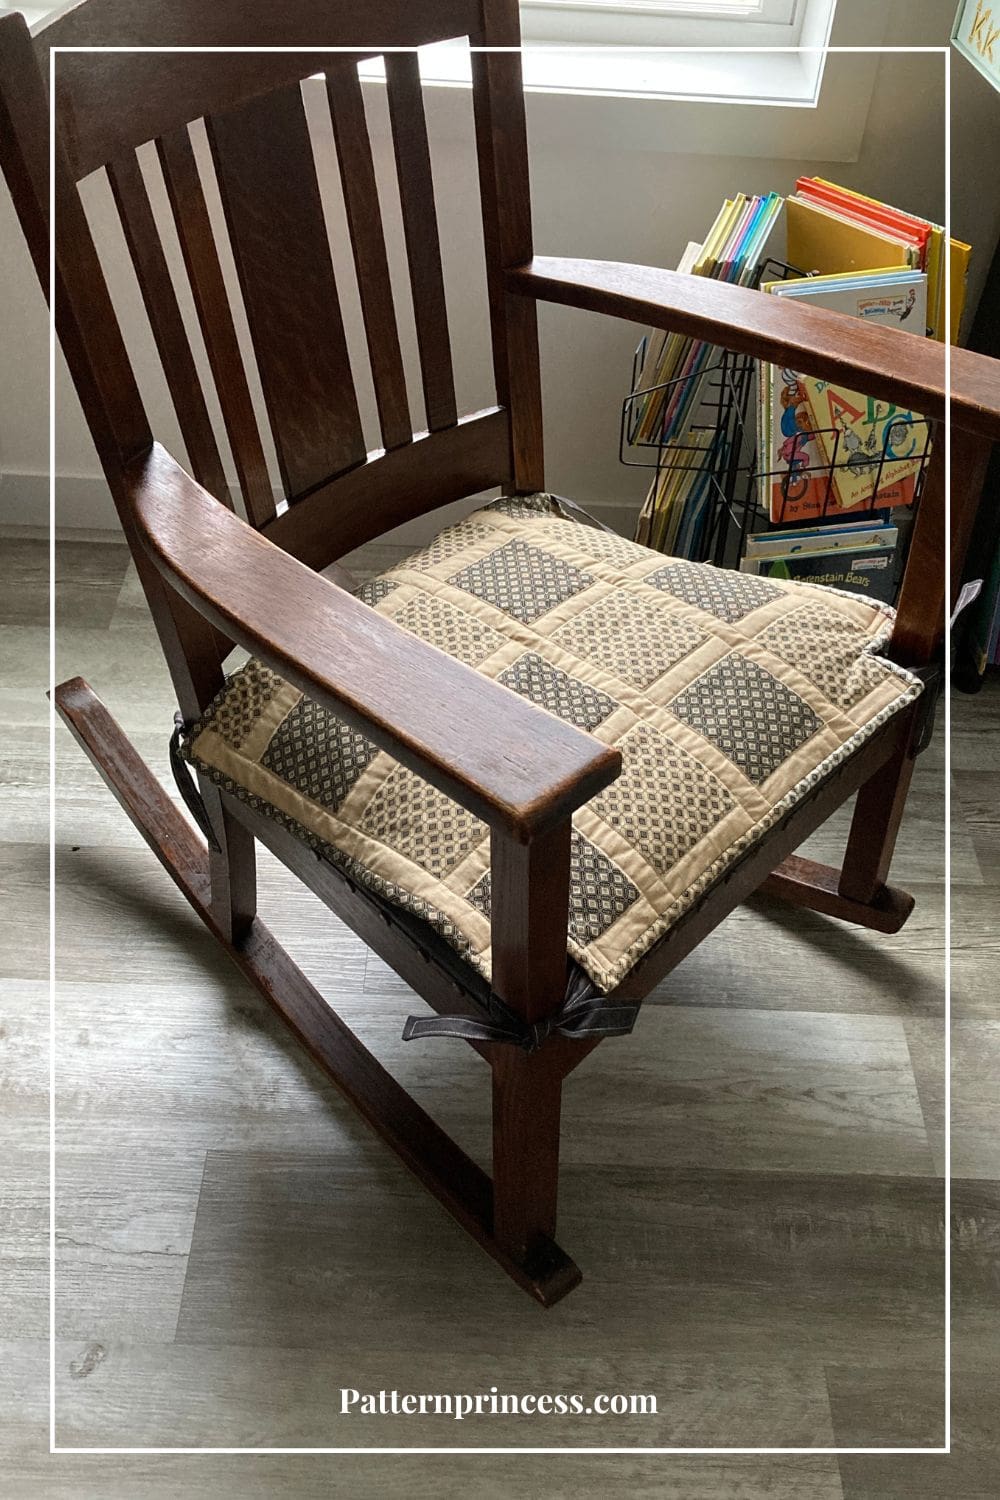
[790, 77]
[705, 77]
[33, 14]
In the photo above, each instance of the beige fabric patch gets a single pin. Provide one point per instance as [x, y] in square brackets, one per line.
[730, 698]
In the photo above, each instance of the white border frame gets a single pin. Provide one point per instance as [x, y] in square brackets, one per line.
[946, 1446]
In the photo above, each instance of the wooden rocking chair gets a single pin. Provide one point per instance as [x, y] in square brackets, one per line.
[494, 749]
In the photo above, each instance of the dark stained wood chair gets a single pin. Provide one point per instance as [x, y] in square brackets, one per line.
[213, 578]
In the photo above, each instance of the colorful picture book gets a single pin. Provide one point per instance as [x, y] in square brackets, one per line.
[799, 540]
[828, 448]
[655, 358]
[868, 573]
[859, 558]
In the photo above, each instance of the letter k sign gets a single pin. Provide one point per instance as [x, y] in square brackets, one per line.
[982, 33]
[976, 34]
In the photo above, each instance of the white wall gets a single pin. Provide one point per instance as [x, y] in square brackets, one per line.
[590, 199]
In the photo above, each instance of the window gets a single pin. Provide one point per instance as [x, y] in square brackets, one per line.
[739, 51]
[677, 23]
[33, 14]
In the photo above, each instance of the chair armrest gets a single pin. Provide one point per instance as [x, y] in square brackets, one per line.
[507, 761]
[883, 362]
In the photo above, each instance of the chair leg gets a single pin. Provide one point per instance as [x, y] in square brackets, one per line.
[232, 869]
[527, 1094]
[857, 892]
[530, 884]
[871, 842]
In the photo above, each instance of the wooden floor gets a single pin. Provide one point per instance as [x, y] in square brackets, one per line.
[752, 1182]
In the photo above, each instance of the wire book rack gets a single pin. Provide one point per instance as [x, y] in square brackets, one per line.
[738, 490]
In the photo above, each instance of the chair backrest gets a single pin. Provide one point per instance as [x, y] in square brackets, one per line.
[209, 124]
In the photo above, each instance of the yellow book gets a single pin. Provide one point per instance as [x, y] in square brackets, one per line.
[828, 276]
[665, 502]
[665, 524]
[719, 234]
[958, 271]
[820, 240]
[955, 263]
[935, 282]
[655, 511]
[933, 264]
[677, 479]
[644, 525]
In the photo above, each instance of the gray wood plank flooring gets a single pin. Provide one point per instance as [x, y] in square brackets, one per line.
[752, 1182]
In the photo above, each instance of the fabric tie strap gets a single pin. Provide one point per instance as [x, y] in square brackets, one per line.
[186, 784]
[930, 676]
[583, 1019]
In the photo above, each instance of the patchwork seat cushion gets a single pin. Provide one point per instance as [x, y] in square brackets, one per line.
[729, 696]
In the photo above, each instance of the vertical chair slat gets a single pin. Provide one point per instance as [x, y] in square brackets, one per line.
[489, 208]
[423, 246]
[502, 148]
[167, 323]
[267, 177]
[201, 259]
[357, 173]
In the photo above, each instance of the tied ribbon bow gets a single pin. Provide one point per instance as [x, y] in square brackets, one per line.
[583, 1019]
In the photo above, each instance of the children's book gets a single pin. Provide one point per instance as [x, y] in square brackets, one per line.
[826, 240]
[733, 250]
[802, 540]
[675, 503]
[653, 358]
[859, 570]
[944, 260]
[831, 449]
[824, 453]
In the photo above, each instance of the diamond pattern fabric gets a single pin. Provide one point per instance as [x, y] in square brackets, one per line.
[317, 752]
[375, 590]
[756, 721]
[599, 893]
[238, 713]
[718, 591]
[565, 696]
[830, 653]
[665, 801]
[730, 698]
[451, 629]
[521, 581]
[420, 823]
